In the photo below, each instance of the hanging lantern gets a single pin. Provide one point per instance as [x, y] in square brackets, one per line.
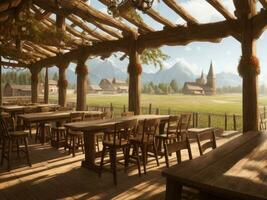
[143, 5]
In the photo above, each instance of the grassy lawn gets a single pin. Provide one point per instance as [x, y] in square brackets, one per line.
[219, 104]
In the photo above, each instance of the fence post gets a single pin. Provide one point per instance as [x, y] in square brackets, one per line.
[209, 125]
[157, 111]
[234, 121]
[225, 121]
[169, 111]
[150, 109]
[264, 110]
[111, 107]
[193, 120]
[124, 108]
[196, 120]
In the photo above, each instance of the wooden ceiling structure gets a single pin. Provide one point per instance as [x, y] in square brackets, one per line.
[90, 32]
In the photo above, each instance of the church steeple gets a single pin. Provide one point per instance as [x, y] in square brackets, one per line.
[211, 74]
[211, 82]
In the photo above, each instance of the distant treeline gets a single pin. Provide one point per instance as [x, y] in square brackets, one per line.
[161, 88]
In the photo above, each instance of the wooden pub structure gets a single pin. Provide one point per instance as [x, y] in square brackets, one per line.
[35, 53]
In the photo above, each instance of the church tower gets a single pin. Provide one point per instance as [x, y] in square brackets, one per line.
[211, 81]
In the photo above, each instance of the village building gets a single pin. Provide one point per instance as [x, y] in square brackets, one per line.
[94, 89]
[16, 90]
[202, 86]
[114, 86]
[52, 85]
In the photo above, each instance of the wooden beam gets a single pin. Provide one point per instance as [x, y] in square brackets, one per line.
[89, 30]
[180, 11]
[1, 94]
[62, 84]
[144, 28]
[84, 11]
[34, 84]
[263, 3]
[46, 86]
[221, 9]
[157, 17]
[7, 4]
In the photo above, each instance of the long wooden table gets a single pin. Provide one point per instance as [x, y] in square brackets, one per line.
[237, 170]
[44, 117]
[90, 128]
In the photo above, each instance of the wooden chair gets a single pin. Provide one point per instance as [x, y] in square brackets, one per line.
[47, 126]
[30, 126]
[181, 141]
[206, 140]
[145, 140]
[120, 140]
[9, 139]
[169, 135]
[74, 139]
[127, 114]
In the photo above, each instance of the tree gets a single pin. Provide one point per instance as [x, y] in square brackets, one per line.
[174, 86]
[55, 76]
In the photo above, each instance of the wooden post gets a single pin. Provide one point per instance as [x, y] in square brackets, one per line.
[34, 83]
[134, 70]
[249, 65]
[264, 110]
[234, 121]
[157, 111]
[209, 120]
[62, 84]
[150, 109]
[82, 76]
[1, 94]
[124, 108]
[46, 86]
[196, 119]
[111, 107]
[225, 122]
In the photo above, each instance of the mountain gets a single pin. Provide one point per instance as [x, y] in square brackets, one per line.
[99, 69]
[178, 71]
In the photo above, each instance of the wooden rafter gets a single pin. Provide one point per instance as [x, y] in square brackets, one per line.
[157, 17]
[84, 11]
[180, 11]
[264, 3]
[221, 9]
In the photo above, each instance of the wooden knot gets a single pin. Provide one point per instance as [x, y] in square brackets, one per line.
[249, 65]
[81, 69]
[62, 83]
[136, 69]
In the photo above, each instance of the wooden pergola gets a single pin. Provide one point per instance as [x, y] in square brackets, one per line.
[246, 26]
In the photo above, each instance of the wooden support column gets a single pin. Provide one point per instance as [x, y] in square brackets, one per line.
[82, 76]
[1, 94]
[134, 70]
[62, 84]
[249, 65]
[34, 83]
[46, 86]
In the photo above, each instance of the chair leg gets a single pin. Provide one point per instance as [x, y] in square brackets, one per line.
[155, 153]
[144, 152]
[27, 151]
[113, 155]
[136, 151]
[9, 154]
[102, 159]
[189, 148]
[166, 153]
[73, 146]
[17, 145]
[3, 151]
[178, 156]
[82, 144]
[126, 158]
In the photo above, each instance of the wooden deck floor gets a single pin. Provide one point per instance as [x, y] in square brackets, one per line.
[57, 175]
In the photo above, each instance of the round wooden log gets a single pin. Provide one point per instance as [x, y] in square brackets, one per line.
[34, 84]
[62, 84]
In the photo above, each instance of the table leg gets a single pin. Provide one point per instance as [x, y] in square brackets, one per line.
[90, 153]
[42, 132]
[173, 190]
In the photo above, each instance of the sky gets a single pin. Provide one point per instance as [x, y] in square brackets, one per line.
[198, 55]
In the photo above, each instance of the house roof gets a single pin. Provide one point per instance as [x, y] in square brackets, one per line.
[95, 87]
[20, 87]
[193, 86]
[52, 82]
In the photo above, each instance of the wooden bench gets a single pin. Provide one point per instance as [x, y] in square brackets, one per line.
[236, 170]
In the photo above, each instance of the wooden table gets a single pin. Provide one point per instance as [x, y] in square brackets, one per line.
[44, 117]
[17, 109]
[236, 170]
[89, 128]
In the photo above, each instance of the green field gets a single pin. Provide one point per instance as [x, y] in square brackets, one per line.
[219, 104]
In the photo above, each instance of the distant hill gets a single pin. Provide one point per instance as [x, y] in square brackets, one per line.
[99, 69]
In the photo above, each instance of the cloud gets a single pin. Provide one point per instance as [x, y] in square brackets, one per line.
[203, 11]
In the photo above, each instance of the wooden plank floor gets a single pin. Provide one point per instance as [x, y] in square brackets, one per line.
[57, 175]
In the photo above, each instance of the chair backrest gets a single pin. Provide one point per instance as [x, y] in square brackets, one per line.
[150, 127]
[63, 109]
[127, 114]
[44, 109]
[123, 130]
[183, 124]
[3, 128]
[172, 125]
[107, 115]
[77, 116]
